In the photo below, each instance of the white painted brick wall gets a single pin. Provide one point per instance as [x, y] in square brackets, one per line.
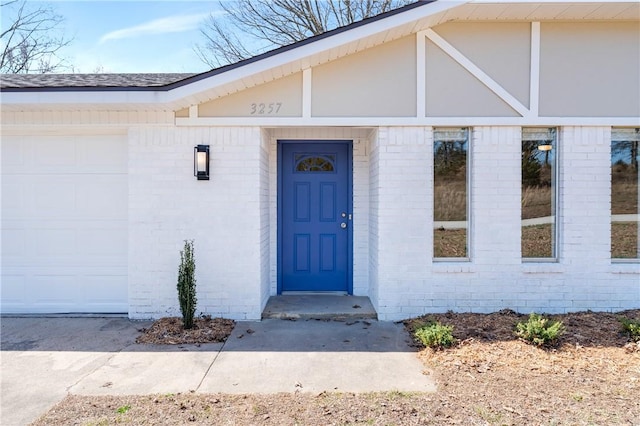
[404, 198]
[233, 219]
[265, 220]
[374, 184]
[406, 280]
[225, 217]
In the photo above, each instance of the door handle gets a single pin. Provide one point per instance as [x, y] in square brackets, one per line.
[343, 225]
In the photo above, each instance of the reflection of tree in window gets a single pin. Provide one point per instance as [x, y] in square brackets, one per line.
[624, 193]
[450, 192]
[315, 163]
[538, 192]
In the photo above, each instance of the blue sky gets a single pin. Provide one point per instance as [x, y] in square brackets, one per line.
[134, 36]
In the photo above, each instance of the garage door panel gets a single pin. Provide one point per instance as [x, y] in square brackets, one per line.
[56, 196]
[13, 155]
[102, 197]
[103, 242]
[13, 244]
[97, 156]
[54, 289]
[56, 243]
[13, 199]
[64, 224]
[53, 154]
[101, 288]
[13, 288]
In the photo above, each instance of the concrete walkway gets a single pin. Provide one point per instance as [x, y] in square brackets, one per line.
[43, 359]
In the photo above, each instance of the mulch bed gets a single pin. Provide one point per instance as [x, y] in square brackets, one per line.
[170, 331]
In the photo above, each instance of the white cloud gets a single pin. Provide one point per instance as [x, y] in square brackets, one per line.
[172, 24]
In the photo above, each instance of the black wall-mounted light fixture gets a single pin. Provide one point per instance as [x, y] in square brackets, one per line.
[201, 162]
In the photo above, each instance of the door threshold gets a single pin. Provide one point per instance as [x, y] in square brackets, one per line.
[314, 293]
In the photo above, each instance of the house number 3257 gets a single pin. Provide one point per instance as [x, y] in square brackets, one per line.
[265, 109]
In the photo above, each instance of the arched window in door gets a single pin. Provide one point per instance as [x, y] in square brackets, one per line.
[315, 162]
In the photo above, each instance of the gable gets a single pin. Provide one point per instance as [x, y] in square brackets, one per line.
[462, 69]
[590, 69]
[378, 82]
[501, 50]
[280, 98]
[418, 65]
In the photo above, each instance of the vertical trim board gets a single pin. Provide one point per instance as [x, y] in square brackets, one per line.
[307, 79]
[534, 79]
[421, 74]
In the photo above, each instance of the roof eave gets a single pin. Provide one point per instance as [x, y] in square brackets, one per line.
[183, 93]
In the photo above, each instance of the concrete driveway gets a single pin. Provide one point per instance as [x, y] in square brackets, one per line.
[44, 359]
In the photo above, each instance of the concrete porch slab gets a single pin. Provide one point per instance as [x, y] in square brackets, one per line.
[319, 306]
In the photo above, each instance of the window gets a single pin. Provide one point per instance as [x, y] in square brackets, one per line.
[450, 193]
[625, 239]
[539, 199]
[315, 163]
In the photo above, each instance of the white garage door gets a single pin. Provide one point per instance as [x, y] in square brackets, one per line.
[64, 224]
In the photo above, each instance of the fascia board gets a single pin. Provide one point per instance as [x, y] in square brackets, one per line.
[59, 98]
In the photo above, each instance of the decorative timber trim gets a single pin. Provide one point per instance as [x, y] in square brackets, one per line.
[534, 75]
[457, 56]
[421, 74]
[306, 92]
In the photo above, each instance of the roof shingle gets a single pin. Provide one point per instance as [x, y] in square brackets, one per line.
[26, 81]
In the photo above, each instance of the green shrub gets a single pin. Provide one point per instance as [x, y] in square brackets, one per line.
[123, 409]
[632, 328]
[539, 331]
[435, 335]
[187, 284]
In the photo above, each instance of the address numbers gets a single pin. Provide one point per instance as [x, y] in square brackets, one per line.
[265, 109]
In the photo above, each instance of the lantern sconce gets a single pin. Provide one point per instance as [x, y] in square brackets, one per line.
[201, 162]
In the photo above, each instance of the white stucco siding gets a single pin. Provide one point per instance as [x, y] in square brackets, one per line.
[64, 222]
[224, 216]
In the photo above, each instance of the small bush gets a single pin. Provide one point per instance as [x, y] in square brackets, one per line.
[632, 328]
[123, 409]
[435, 335]
[539, 330]
[187, 285]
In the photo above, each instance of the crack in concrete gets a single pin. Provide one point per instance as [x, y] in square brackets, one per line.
[211, 365]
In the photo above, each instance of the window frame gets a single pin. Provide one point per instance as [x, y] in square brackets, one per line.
[468, 170]
[555, 198]
[622, 260]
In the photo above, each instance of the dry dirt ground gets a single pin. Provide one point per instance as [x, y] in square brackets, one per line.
[591, 377]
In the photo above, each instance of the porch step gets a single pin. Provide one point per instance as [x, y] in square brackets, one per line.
[319, 306]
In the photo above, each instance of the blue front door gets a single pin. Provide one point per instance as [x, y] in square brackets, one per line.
[314, 215]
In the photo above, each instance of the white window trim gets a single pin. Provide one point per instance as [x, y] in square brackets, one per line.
[623, 260]
[555, 207]
[468, 257]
